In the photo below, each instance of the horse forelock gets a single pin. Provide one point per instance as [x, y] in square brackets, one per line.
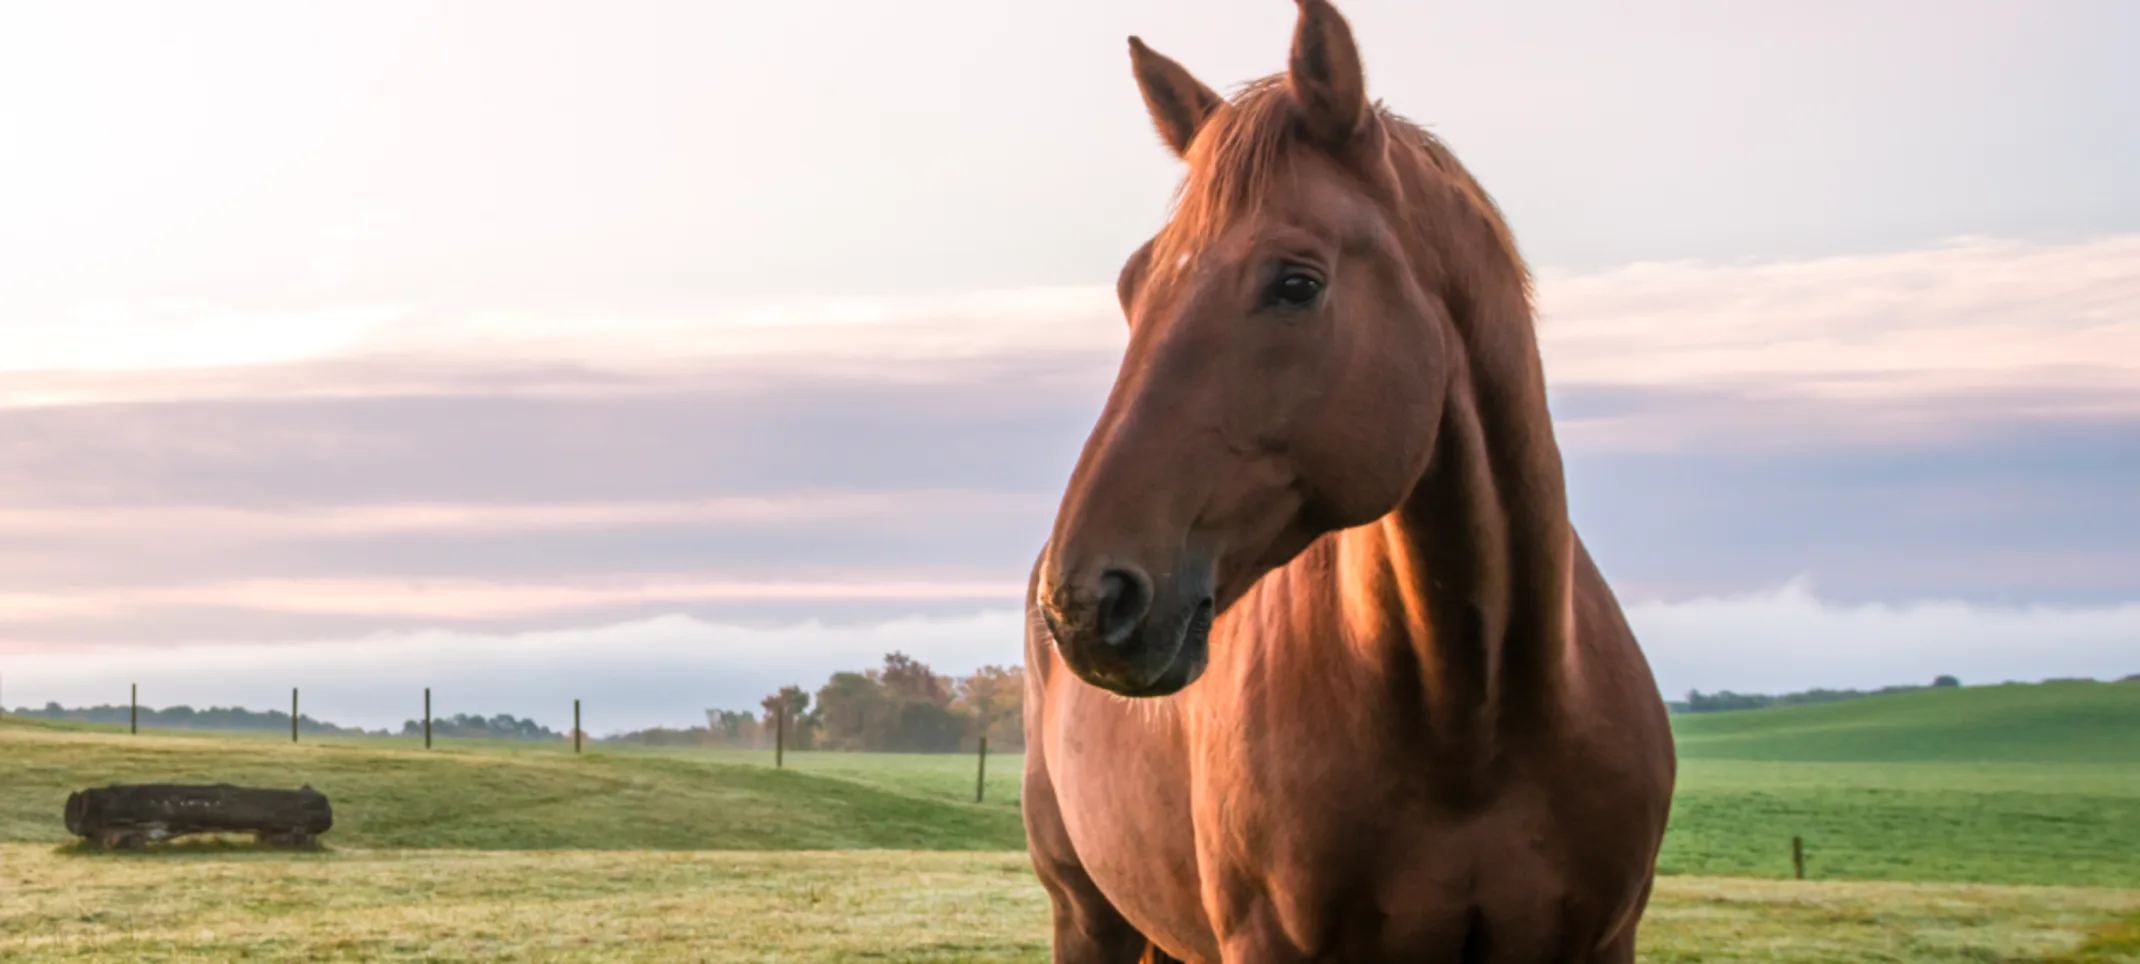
[1236, 161]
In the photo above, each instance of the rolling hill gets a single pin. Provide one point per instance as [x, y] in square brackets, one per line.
[2060, 722]
[2026, 784]
[494, 795]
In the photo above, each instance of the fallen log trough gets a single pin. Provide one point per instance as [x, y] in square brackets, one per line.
[127, 816]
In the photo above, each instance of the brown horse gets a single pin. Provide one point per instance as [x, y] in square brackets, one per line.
[1386, 708]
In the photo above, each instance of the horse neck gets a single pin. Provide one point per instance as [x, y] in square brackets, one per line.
[1478, 558]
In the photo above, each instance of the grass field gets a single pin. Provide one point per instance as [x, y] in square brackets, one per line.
[207, 903]
[497, 795]
[2014, 784]
[1925, 816]
[1840, 775]
[2063, 722]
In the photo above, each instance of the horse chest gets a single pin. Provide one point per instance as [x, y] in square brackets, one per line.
[1362, 855]
[1230, 829]
[1394, 880]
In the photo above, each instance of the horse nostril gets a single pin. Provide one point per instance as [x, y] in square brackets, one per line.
[1125, 596]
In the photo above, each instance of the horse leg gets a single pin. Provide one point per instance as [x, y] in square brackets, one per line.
[1621, 949]
[1153, 955]
[1088, 928]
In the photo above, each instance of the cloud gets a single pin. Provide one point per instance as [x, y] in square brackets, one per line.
[2011, 511]
[195, 352]
[1971, 313]
[1906, 341]
[457, 599]
[197, 522]
[1789, 639]
[1905, 346]
[2040, 329]
[1956, 422]
[660, 671]
[666, 670]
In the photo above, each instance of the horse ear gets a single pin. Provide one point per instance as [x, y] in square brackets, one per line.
[1325, 75]
[1180, 104]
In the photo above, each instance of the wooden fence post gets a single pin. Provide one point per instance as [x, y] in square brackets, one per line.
[293, 714]
[133, 707]
[427, 717]
[980, 771]
[780, 736]
[1798, 857]
[575, 726]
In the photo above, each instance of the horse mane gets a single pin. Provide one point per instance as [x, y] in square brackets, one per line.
[1237, 157]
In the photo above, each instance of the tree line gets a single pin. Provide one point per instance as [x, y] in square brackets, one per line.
[1726, 700]
[184, 717]
[902, 706]
[503, 726]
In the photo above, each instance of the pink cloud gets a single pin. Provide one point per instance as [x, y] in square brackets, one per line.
[2058, 324]
[1969, 318]
[313, 522]
[474, 599]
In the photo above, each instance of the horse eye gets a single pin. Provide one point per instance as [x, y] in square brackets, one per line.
[1294, 289]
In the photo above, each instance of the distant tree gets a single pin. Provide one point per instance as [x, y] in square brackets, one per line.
[927, 728]
[1725, 701]
[736, 728]
[994, 699]
[503, 726]
[924, 721]
[856, 712]
[903, 706]
[910, 679]
[802, 725]
[1946, 681]
[187, 718]
[664, 736]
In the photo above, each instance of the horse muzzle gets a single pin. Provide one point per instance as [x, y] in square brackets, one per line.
[1123, 631]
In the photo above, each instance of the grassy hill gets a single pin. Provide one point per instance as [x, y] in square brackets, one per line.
[497, 795]
[2064, 722]
[2009, 785]
[2030, 783]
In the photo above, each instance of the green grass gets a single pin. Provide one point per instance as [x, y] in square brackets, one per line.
[187, 903]
[2016, 784]
[515, 851]
[946, 777]
[1874, 814]
[495, 795]
[2068, 722]
[1985, 823]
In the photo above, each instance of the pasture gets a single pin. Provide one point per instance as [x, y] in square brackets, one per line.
[197, 903]
[1980, 824]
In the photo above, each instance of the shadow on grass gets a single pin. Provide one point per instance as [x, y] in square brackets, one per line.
[196, 847]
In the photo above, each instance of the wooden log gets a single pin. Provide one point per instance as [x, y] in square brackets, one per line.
[126, 816]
